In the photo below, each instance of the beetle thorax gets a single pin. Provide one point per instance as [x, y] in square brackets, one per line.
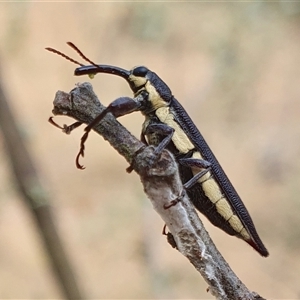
[154, 98]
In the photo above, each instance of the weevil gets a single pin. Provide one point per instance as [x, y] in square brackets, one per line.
[168, 125]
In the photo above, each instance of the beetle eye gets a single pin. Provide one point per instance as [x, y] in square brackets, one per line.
[140, 71]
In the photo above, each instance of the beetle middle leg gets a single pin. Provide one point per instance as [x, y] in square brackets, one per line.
[154, 130]
[160, 129]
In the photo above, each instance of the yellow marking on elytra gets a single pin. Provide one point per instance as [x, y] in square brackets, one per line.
[209, 185]
[197, 155]
[156, 100]
[196, 170]
[212, 190]
[179, 138]
[236, 223]
[224, 209]
[245, 234]
[214, 194]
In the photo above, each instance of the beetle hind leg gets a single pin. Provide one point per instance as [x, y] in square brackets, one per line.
[195, 163]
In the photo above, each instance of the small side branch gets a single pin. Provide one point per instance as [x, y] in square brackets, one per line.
[163, 186]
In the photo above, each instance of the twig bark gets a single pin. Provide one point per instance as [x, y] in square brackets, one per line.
[36, 199]
[162, 185]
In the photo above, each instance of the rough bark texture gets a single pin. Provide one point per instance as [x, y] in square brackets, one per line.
[162, 185]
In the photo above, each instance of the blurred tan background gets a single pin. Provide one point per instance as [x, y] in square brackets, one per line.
[236, 69]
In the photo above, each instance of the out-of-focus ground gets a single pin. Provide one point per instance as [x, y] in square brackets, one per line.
[236, 69]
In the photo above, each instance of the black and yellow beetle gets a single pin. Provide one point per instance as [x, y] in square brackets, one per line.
[167, 125]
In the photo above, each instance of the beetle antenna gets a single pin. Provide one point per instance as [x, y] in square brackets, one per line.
[81, 54]
[64, 56]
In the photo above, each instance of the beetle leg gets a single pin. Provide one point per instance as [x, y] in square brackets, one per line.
[195, 179]
[65, 128]
[143, 139]
[195, 163]
[161, 129]
[170, 237]
[167, 131]
[120, 107]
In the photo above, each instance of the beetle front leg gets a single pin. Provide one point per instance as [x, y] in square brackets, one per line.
[120, 107]
[65, 128]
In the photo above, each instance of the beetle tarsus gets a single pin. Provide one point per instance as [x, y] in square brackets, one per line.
[172, 203]
[67, 129]
[170, 237]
